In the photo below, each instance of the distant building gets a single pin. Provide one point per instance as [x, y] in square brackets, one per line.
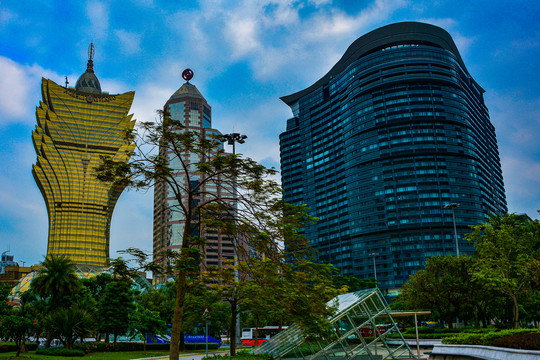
[188, 106]
[395, 131]
[10, 271]
[75, 127]
[6, 260]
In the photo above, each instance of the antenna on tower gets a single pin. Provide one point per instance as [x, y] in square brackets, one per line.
[67, 82]
[91, 51]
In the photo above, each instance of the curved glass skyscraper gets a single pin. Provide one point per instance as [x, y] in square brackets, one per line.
[75, 127]
[395, 131]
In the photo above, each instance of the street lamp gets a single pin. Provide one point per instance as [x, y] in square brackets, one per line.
[374, 266]
[232, 139]
[452, 206]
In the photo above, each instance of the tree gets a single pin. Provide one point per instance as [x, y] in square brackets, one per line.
[5, 308]
[17, 326]
[353, 283]
[199, 299]
[247, 204]
[55, 281]
[445, 287]
[116, 306]
[68, 324]
[159, 300]
[506, 252]
[146, 322]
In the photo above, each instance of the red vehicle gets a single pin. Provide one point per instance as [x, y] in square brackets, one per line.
[368, 331]
[263, 334]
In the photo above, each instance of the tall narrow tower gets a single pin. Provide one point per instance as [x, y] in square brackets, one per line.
[74, 128]
[190, 108]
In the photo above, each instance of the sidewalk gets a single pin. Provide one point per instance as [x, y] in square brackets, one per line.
[194, 356]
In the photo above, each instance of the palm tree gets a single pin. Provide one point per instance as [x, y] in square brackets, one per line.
[56, 279]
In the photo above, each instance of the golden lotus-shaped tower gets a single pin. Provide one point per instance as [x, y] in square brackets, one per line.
[74, 128]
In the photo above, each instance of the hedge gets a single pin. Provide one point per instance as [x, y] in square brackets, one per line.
[136, 346]
[59, 352]
[487, 338]
[11, 346]
[529, 341]
[442, 330]
[240, 355]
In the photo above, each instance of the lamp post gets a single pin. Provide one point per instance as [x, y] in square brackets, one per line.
[232, 139]
[452, 206]
[374, 266]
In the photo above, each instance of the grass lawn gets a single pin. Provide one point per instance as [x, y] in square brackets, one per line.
[127, 355]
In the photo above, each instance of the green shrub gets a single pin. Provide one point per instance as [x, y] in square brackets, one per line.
[486, 338]
[529, 341]
[59, 352]
[135, 346]
[443, 330]
[241, 355]
[11, 347]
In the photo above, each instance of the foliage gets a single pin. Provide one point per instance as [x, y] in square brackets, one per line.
[5, 308]
[91, 347]
[259, 220]
[198, 299]
[116, 305]
[426, 332]
[12, 347]
[67, 324]
[56, 279]
[60, 352]
[144, 321]
[507, 252]
[529, 341]
[241, 356]
[445, 286]
[352, 283]
[486, 338]
[160, 300]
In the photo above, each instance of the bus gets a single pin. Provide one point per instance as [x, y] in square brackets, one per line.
[263, 334]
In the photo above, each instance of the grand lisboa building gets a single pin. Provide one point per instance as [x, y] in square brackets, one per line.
[386, 147]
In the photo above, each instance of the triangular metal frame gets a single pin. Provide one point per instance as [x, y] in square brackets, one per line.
[358, 314]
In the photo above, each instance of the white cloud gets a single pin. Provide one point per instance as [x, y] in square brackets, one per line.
[462, 42]
[242, 34]
[20, 90]
[98, 15]
[521, 175]
[6, 16]
[271, 35]
[130, 42]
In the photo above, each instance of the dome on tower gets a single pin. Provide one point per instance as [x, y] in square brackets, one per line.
[187, 90]
[88, 82]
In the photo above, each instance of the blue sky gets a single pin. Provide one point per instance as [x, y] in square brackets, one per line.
[245, 55]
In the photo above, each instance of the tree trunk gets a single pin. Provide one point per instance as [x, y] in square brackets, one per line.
[232, 329]
[19, 344]
[107, 338]
[182, 341]
[144, 345]
[178, 313]
[48, 340]
[515, 312]
[256, 330]
[115, 336]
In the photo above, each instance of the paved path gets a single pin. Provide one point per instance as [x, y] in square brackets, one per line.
[194, 356]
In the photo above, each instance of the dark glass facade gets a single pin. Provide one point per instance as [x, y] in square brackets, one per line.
[396, 130]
